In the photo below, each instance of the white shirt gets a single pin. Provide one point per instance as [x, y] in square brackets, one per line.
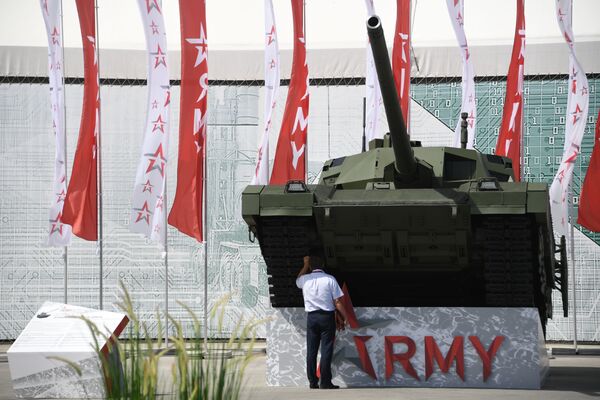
[319, 290]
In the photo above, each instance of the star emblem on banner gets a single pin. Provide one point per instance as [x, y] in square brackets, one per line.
[154, 104]
[150, 4]
[46, 7]
[61, 196]
[159, 57]
[272, 64]
[159, 124]
[55, 35]
[561, 16]
[156, 229]
[460, 19]
[202, 46]
[157, 161]
[456, 2]
[57, 225]
[159, 202]
[576, 114]
[271, 35]
[584, 90]
[147, 187]
[167, 88]
[154, 28]
[471, 119]
[143, 213]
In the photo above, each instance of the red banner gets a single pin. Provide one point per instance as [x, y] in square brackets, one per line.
[186, 213]
[589, 203]
[509, 140]
[290, 155]
[81, 203]
[401, 56]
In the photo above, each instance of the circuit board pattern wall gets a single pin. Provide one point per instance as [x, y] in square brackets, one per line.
[31, 273]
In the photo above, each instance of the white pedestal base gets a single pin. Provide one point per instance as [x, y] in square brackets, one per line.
[418, 347]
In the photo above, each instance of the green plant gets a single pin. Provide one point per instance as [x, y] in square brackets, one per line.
[211, 370]
[129, 367]
[203, 369]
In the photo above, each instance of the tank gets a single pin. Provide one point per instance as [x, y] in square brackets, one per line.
[406, 225]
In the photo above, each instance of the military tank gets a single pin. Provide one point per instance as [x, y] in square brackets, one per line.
[406, 225]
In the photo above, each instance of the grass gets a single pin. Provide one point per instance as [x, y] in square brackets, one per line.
[202, 369]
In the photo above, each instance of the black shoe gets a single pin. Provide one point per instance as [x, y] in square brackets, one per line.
[314, 386]
[330, 386]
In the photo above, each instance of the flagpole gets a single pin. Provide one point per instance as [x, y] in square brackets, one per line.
[572, 246]
[166, 263]
[205, 223]
[99, 165]
[64, 138]
[307, 87]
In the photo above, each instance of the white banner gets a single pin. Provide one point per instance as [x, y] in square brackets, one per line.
[456, 10]
[59, 234]
[261, 173]
[148, 208]
[575, 122]
[373, 94]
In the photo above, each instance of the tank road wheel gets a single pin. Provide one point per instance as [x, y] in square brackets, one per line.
[284, 241]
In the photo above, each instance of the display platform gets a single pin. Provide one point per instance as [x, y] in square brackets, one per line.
[56, 333]
[418, 347]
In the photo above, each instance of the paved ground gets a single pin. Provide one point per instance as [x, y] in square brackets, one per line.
[571, 377]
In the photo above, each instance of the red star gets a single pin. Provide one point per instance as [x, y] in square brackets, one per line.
[271, 35]
[150, 4]
[157, 156]
[576, 114]
[202, 46]
[471, 119]
[55, 35]
[60, 196]
[460, 20]
[143, 213]
[159, 57]
[154, 28]
[147, 187]
[57, 225]
[456, 2]
[272, 64]
[168, 100]
[154, 104]
[561, 16]
[159, 202]
[156, 228]
[158, 124]
[584, 91]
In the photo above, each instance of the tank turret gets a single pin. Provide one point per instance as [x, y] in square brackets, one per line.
[405, 162]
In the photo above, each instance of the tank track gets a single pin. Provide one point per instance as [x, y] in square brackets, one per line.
[284, 241]
[507, 247]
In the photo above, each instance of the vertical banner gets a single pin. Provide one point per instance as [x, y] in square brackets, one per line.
[373, 94]
[589, 202]
[148, 209]
[457, 11]
[186, 213]
[261, 173]
[290, 154]
[401, 57]
[511, 128]
[59, 234]
[575, 121]
[81, 202]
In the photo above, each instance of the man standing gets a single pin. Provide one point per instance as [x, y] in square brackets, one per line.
[322, 296]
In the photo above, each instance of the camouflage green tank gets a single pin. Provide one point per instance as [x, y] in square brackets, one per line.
[405, 225]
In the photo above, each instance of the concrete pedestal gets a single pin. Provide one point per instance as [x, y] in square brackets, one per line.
[418, 347]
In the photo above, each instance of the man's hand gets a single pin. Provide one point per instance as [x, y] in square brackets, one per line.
[340, 321]
[306, 267]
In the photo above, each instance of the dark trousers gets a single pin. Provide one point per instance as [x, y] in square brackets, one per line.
[320, 329]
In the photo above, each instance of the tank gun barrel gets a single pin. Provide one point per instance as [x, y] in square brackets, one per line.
[405, 162]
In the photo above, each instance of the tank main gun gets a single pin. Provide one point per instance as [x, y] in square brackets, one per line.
[405, 162]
